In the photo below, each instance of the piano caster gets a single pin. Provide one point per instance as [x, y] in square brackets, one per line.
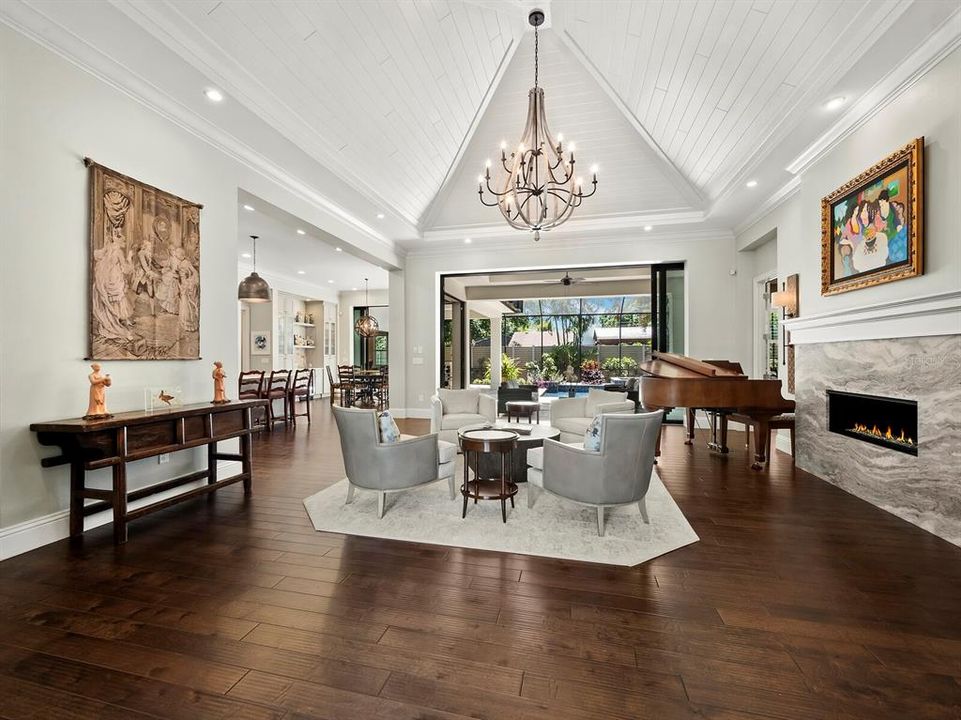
[718, 448]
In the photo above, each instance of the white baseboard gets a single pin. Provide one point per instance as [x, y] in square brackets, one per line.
[419, 413]
[32, 534]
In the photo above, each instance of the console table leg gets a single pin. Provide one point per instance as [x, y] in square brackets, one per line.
[246, 466]
[76, 498]
[119, 503]
[211, 464]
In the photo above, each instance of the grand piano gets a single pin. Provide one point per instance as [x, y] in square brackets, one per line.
[671, 381]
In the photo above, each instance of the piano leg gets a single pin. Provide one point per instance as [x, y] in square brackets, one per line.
[718, 441]
[689, 440]
[762, 432]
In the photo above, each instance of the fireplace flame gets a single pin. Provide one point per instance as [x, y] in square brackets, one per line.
[888, 434]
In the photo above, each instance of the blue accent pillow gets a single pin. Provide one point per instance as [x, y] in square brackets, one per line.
[592, 437]
[389, 432]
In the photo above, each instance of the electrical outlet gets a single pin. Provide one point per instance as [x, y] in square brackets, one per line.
[163, 458]
[420, 398]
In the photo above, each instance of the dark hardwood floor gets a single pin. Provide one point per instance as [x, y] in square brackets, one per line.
[799, 602]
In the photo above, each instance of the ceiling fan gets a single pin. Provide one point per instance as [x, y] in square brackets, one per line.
[567, 280]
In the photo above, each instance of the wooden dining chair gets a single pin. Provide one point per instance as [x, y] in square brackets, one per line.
[276, 388]
[250, 386]
[347, 385]
[300, 386]
[335, 385]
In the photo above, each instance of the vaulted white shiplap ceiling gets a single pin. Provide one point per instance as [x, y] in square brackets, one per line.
[711, 81]
[633, 178]
[371, 107]
[384, 92]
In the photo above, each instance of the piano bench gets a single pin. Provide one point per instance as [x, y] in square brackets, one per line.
[784, 421]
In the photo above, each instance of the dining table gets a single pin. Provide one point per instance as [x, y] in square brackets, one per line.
[366, 383]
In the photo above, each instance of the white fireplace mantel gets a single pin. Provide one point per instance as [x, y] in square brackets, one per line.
[938, 314]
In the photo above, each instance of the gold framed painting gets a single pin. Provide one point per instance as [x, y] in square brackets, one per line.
[144, 271]
[872, 226]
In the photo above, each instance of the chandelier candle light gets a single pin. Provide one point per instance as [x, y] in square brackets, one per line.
[366, 325]
[541, 190]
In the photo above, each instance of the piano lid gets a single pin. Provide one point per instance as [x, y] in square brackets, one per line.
[672, 365]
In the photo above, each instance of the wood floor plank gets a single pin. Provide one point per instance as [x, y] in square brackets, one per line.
[800, 602]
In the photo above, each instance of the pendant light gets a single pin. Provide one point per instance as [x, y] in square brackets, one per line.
[253, 288]
[366, 325]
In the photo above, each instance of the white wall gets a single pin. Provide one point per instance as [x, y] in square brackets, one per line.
[711, 311]
[51, 116]
[932, 108]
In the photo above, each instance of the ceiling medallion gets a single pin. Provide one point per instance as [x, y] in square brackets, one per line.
[366, 325]
[540, 190]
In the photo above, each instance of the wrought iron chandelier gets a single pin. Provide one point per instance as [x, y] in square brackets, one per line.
[366, 325]
[253, 288]
[541, 189]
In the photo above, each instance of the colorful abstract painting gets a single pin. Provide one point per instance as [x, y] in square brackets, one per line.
[870, 226]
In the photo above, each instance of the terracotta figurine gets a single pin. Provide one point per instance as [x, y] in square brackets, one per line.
[97, 408]
[219, 376]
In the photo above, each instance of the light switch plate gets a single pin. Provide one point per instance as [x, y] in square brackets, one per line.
[417, 361]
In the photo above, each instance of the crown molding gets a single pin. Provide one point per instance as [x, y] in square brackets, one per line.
[935, 48]
[32, 23]
[778, 197]
[601, 223]
[569, 241]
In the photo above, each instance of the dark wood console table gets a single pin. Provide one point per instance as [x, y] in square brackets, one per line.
[125, 437]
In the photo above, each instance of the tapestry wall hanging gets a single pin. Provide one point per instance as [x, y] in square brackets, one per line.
[144, 271]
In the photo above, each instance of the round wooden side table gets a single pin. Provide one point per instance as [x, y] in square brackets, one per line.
[478, 443]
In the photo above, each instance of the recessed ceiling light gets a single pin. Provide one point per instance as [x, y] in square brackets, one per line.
[338, 249]
[330, 281]
[834, 103]
[751, 183]
[648, 228]
[354, 289]
[300, 232]
[468, 241]
[301, 272]
[248, 208]
[245, 255]
[214, 95]
[380, 216]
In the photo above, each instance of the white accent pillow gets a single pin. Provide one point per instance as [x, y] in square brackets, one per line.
[459, 402]
[592, 436]
[389, 432]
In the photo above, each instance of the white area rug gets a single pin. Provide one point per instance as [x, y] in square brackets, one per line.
[552, 528]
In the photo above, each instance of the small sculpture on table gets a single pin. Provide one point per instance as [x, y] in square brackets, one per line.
[219, 375]
[166, 398]
[97, 407]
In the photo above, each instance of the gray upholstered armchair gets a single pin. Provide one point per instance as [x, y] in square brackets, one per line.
[389, 467]
[572, 416]
[450, 410]
[617, 475]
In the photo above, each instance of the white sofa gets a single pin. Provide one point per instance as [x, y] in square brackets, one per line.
[572, 416]
[451, 410]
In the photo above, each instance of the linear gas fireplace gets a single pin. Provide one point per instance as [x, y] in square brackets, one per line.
[884, 421]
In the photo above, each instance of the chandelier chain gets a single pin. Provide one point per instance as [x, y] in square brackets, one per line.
[536, 44]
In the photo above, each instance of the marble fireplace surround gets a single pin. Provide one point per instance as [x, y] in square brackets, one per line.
[923, 365]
